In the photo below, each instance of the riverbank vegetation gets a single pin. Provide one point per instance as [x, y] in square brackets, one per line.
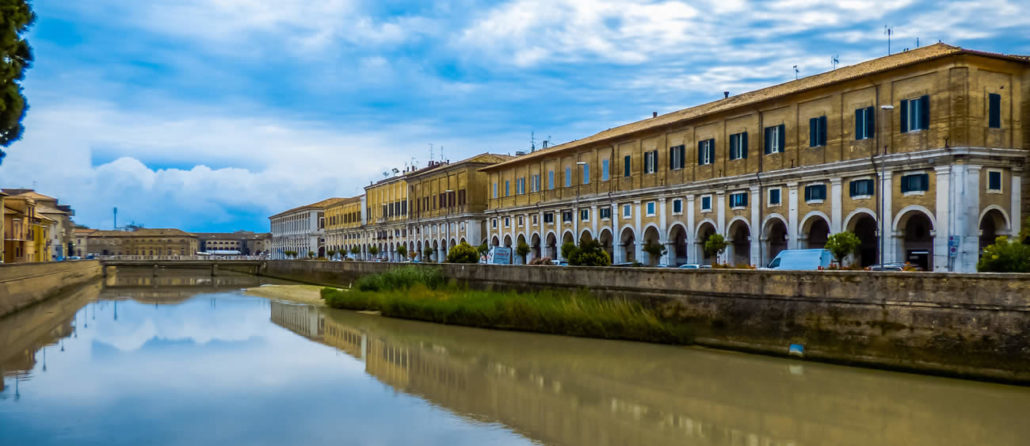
[424, 294]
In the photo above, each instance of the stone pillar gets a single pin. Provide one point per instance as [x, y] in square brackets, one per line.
[1015, 208]
[942, 215]
[720, 225]
[792, 215]
[965, 217]
[663, 229]
[595, 220]
[888, 248]
[836, 205]
[639, 236]
[618, 249]
[691, 230]
[756, 231]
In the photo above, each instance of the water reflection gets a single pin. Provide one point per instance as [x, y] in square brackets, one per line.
[569, 391]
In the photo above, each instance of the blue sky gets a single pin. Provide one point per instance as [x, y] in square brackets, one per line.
[210, 115]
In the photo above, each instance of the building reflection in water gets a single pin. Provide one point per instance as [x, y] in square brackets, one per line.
[571, 391]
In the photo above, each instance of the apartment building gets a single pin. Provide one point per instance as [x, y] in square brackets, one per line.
[300, 230]
[345, 221]
[146, 242]
[922, 154]
[386, 209]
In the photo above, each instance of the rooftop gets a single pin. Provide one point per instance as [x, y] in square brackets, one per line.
[842, 74]
[313, 206]
[155, 232]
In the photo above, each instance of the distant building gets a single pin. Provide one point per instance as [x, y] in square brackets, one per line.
[142, 242]
[245, 243]
[52, 239]
[26, 231]
[301, 230]
[80, 241]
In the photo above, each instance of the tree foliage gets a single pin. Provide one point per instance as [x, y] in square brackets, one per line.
[568, 249]
[402, 251]
[15, 58]
[463, 253]
[654, 251]
[715, 244]
[483, 249]
[842, 244]
[374, 250]
[1007, 256]
[355, 250]
[522, 249]
[590, 253]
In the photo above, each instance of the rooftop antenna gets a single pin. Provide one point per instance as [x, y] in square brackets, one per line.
[441, 154]
[888, 31]
[430, 152]
[835, 60]
[796, 72]
[115, 218]
[532, 141]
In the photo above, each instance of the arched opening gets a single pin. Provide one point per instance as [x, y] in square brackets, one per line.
[740, 243]
[651, 238]
[585, 236]
[991, 226]
[865, 227]
[628, 245]
[321, 251]
[815, 232]
[552, 246]
[917, 240]
[521, 240]
[436, 252]
[706, 230]
[775, 239]
[566, 238]
[495, 241]
[507, 241]
[606, 242]
[534, 246]
[678, 237]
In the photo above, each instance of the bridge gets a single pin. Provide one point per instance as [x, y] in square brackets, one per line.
[238, 266]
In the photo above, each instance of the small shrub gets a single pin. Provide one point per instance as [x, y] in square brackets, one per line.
[568, 249]
[843, 244]
[402, 251]
[401, 278]
[522, 250]
[654, 251]
[1005, 256]
[590, 253]
[715, 244]
[463, 253]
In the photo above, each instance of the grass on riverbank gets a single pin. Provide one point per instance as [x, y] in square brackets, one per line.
[403, 294]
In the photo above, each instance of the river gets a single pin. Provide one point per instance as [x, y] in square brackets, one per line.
[184, 358]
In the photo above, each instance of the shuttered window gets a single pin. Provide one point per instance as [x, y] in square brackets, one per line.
[775, 139]
[738, 146]
[865, 123]
[676, 157]
[817, 132]
[994, 111]
[706, 152]
[625, 166]
[861, 188]
[738, 200]
[815, 192]
[919, 182]
[915, 114]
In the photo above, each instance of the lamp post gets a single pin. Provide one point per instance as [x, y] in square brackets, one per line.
[885, 111]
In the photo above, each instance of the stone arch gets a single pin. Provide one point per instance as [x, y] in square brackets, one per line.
[551, 245]
[534, 245]
[606, 240]
[916, 227]
[520, 239]
[706, 229]
[863, 223]
[627, 243]
[738, 236]
[495, 241]
[566, 237]
[677, 238]
[993, 223]
[814, 230]
[857, 213]
[585, 234]
[652, 236]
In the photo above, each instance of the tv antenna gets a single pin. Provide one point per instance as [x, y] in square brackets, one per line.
[835, 60]
[888, 31]
[796, 72]
[430, 151]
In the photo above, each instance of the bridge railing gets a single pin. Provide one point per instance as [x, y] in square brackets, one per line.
[174, 258]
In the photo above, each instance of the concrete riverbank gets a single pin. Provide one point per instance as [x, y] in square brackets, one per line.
[967, 325]
[24, 284]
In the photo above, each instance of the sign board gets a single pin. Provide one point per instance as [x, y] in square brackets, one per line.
[499, 255]
[953, 244]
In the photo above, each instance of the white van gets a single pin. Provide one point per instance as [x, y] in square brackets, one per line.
[802, 260]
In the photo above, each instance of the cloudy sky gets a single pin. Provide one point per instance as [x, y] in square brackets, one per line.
[210, 115]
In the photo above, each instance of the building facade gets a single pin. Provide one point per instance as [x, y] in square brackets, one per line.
[245, 243]
[922, 154]
[386, 208]
[142, 242]
[48, 225]
[345, 221]
[300, 230]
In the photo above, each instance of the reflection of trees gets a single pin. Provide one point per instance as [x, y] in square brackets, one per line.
[560, 390]
[25, 332]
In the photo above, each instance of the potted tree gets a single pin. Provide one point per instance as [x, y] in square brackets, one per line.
[841, 245]
[714, 245]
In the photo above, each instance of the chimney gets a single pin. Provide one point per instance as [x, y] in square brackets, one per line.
[725, 94]
[654, 114]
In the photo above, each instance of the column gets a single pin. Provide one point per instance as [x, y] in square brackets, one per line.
[691, 230]
[663, 228]
[942, 215]
[836, 205]
[595, 220]
[965, 217]
[888, 243]
[618, 250]
[720, 225]
[1015, 208]
[792, 215]
[638, 236]
[756, 230]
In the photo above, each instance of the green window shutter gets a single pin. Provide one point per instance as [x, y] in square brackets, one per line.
[683, 155]
[743, 145]
[767, 145]
[733, 145]
[625, 166]
[813, 132]
[783, 137]
[822, 130]
[994, 111]
[870, 122]
[860, 124]
[700, 153]
[924, 112]
[904, 115]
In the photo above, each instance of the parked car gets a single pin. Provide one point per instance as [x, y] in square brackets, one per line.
[74, 258]
[887, 267]
[802, 260]
[690, 266]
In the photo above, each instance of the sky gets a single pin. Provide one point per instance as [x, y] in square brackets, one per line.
[211, 115]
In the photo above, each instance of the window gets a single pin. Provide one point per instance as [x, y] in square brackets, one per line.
[549, 217]
[625, 166]
[493, 223]
[775, 139]
[915, 114]
[738, 200]
[586, 174]
[775, 196]
[994, 181]
[520, 186]
[706, 203]
[584, 214]
[627, 211]
[861, 188]
[606, 213]
[507, 222]
[677, 206]
[919, 182]
[815, 193]
[651, 161]
[550, 180]
[865, 123]
[676, 156]
[738, 146]
[650, 208]
[994, 111]
[495, 190]
[534, 183]
[604, 170]
[705, 152]
[566, 216]
[536, 219]
[817, 132]
[568, 177]
[507, 188]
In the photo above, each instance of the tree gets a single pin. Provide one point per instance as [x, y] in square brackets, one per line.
[355, 250]
[291, 254]
[843, 244]
[402, 251]
[463, 253]
[373, 250]
[311, 254]
[427, 253]
[590, 253]
[331, 253]
[568, 249]
[1007, 256]
[15, 58]
[654, 251]
[715, 244]
[483, 249]
[522, 249]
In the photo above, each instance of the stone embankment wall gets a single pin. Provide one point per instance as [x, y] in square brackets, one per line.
[970, 325]
[23, 284]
